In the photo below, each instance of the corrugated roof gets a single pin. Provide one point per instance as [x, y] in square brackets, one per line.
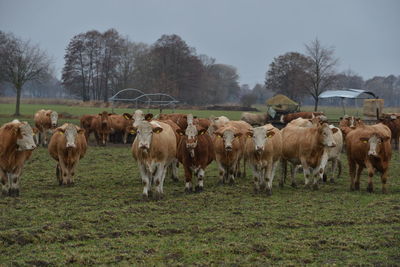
[346, 93]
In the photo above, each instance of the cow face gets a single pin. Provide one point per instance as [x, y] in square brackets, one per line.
[25, 137]
[104, 121]
[53, 115]
[228, 136]
[145, 133]
[260, 137]
[191, 134]
[350, 121]
[70, 135]
[326, 135]
[374, 143]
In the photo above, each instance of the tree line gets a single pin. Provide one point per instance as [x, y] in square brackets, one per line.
[99, 64]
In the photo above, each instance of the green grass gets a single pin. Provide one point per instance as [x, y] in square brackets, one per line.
[102, 220]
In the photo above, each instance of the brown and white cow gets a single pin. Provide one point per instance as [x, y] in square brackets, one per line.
[392, 121]
[154, 149]
[229, 148]
[86, 124]
[67, 146]
[255, 119]
[263, 151]
[16, 145]
[120, 124]
[306, 146]
[45, 120]
[305, 115]
[195, 152]
[101, 126]
[369, 147]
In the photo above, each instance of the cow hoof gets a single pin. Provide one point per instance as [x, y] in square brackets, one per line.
[293, 185]
[13, 192]
[269, 192]
[198, 189]
[370, 188]
[175, 179]
[256, 189]
[332, 181]
[315, 187]
[324, 178]
[188, 190]
[384, 191]
[158, 196]
[145, 197]
[231, 182]
[263, 186]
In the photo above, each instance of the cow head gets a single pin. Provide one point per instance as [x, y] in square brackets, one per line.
[145, 133]
[70, 132]
[191, 135]
[228, 137]
[374, 143]
[104, 120]
[260, 137]
[350, 121]
[326, 135]
[53, 115]
[24, 137]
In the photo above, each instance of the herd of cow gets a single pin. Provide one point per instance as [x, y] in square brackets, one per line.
[161, 143]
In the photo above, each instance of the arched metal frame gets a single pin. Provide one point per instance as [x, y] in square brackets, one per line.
[145, 98]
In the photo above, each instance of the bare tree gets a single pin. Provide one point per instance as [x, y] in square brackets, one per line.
[322, 70]
[21, 62]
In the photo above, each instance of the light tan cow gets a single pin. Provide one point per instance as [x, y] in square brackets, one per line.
[154, 149]
[263, 151]
[120, 124]
[16, 145]
[306, 146]
[67, 146]
[45, 120]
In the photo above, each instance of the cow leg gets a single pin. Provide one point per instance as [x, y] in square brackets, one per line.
[284, 171]
[321, 168]
[384, 181]
[174, 168]
[72, 172]
[358, 175]
[334, 167]
[352, 172]
[145, 180]
[5, 184]
[256, 178]
[125, 137]
[59, 174]
[200, 180]
[370, 168]
[271, 177]
[293, 174]
[158, 180]
[64, 171]
[188, 179]
[307, 173]
[244, 168]
[221, 173]
[14, 182]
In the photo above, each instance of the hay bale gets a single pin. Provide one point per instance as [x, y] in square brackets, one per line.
[371, 106]
[282, 103]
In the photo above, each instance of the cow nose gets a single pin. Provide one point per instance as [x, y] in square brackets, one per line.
[143, 146]
[333, 145]
[259, 148]
[71, 145]
[228, 148]
[33, 147]
[371, 153]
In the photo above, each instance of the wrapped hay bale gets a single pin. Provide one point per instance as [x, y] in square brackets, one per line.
[371, 107]
[282, 103]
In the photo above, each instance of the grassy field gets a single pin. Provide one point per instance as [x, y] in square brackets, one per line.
[102, 220]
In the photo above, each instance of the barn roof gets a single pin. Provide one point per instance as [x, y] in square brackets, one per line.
[347, 93]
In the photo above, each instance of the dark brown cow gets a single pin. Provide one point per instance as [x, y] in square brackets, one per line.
[67, 146]
[195, 152]
[305, 115]
[16, 145]
[393, 122]
[101, 126]
[369, 146]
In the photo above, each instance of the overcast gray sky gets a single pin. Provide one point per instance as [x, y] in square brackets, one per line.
[247, 34]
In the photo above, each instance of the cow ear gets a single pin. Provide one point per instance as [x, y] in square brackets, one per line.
[127, 116]
[157, 130]
[334, 130]
[364, 139]
[249, 134]
[385, 138]
[81, 131]
[180, 132]
[148, 117]
[202, 131]
[132, 130]
[109, 114]
[100, 114]
[270, 134]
